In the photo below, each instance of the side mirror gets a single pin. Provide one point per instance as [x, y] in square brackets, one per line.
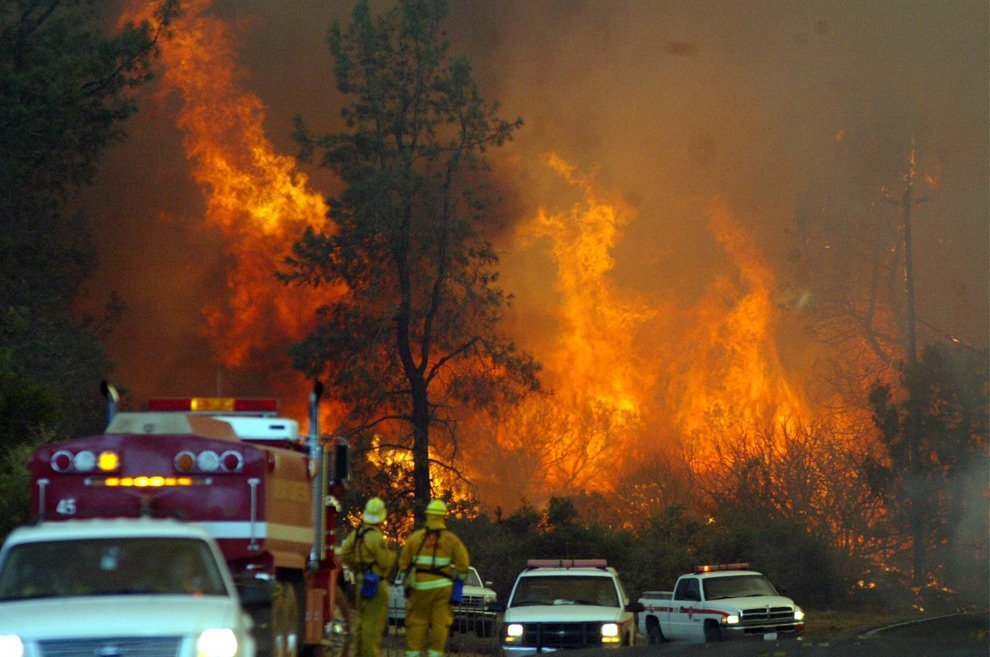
[341, 462]
[635, 607]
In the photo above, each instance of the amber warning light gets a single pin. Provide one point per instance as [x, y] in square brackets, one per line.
[214, 405]
[142, 481]
[710, 568]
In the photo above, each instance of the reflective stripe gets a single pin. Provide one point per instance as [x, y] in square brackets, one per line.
[412, 653]
[428, 560]
[434, 653]
[428, 584]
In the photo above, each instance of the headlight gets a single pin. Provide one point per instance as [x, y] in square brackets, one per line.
[216, 642]
[798, 614]
[514, 630]
[731, 619]
[610, 632]
[11, 645]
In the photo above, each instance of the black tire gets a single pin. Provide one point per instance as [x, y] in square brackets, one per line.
[654, 634]
[713, 634]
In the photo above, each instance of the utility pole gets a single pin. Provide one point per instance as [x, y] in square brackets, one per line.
[912, 425]
[906, 203]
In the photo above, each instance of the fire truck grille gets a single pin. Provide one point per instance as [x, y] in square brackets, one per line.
[562, 635]
[112, 647]
[767, 615]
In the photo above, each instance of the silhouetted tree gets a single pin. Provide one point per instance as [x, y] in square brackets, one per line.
[415, 333]
[63, 99]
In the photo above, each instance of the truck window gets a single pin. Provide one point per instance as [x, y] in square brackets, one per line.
[688, 589]
[737, 586]
[117, 566]
[472, 579]
[599, 591]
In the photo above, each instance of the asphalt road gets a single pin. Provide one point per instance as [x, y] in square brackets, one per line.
[947, 636]
[951, 636]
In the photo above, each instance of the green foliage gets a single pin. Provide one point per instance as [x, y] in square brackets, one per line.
[654, 554]
[665, 546]
[415, 334]
[24, 406]
[935, 433]
[785, 552]
[15, 482]
[63, 98]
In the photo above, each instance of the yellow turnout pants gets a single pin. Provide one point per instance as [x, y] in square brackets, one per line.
[372, 614]
[428, 609]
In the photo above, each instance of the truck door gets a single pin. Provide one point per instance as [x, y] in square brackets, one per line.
[683, 617]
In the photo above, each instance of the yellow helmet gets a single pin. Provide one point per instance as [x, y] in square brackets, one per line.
[374, 511]
[436, 508]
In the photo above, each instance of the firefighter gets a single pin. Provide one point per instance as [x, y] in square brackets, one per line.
[435, 563]
[365, 552]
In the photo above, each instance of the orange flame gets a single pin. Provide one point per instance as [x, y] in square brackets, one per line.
[256, 197]
[602, 380]
[734, 377]
[598, 385]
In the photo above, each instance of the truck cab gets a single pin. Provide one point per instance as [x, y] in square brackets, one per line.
[559, 604]
[120, 586]
[717, 602]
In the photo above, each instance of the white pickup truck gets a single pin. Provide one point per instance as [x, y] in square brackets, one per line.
[560, 604]
[119, 587]
[719, 602]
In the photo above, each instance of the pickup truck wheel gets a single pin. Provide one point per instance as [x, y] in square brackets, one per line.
[713, 633]
[653, 632]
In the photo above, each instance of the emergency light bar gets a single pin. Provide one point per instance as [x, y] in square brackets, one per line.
[155, 481]
[566, 563]
[214, 405]
[710, 568]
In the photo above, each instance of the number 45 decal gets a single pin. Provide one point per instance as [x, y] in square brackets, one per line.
[66, 506]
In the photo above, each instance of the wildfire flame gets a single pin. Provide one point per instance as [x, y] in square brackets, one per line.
[583, 432]
[595, 346]
[604, 374]
[256, 198]
[734, 377]
[603, 378]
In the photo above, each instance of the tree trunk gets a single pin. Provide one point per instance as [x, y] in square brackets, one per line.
[421, 446]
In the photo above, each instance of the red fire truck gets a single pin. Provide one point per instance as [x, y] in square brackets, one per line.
[268, 495]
